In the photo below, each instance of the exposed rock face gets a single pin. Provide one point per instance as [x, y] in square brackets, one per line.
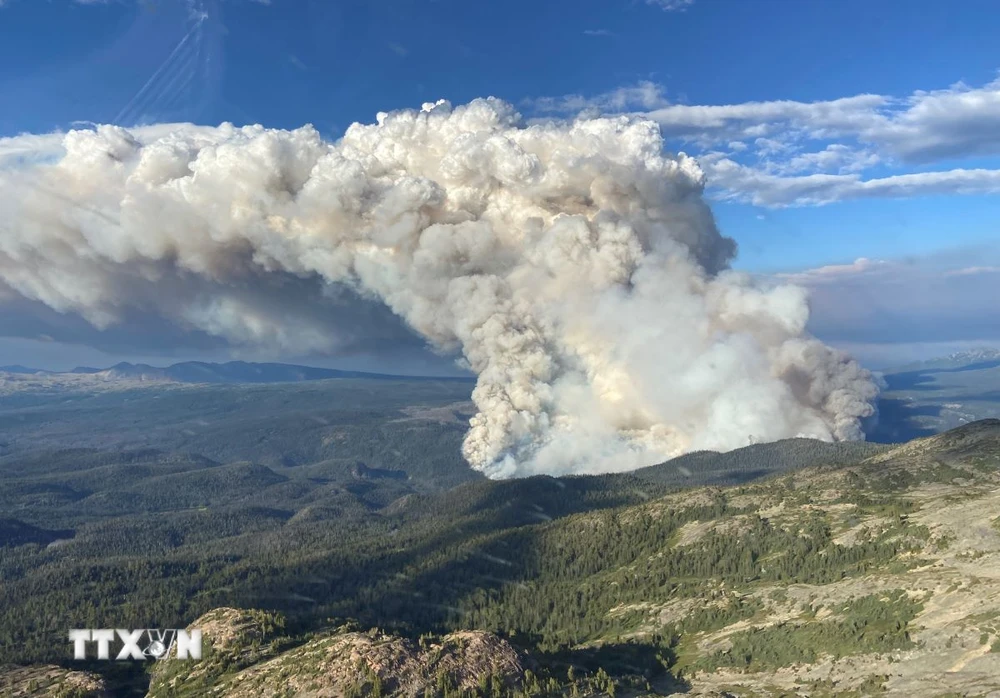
[50, 680]
[244, 657]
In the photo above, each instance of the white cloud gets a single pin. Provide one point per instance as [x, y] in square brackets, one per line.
[720, 123]
[959, 121]
[771, 146]
[833, 272]
[671, 5]
[835, 157]
[736, 182]
[787, 153]
[597, 32]
[644, 95]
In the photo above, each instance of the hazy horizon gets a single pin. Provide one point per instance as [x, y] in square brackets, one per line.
[26, 353]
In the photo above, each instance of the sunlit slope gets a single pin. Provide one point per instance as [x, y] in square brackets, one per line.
[878, 577]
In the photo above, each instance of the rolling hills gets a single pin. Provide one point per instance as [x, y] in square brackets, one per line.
[863, 577]
[333, 526]
[917, 399]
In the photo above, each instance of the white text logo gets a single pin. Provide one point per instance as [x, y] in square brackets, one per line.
[137, 644]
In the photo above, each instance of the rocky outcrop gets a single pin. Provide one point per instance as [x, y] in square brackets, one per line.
[246, 656]
[50, 680]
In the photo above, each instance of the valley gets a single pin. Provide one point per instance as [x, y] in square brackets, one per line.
[324, 539]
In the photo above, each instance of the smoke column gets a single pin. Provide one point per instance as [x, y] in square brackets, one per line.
[574, 267]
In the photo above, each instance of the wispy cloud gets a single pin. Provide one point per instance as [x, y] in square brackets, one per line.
[831, 273]
[974, 270]
[597, 32]
[644, 95]
[671, 5]
[959, 121]
[757, 186]
[787, 153]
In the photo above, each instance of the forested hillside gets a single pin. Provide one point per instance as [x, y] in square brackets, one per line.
[832, 570]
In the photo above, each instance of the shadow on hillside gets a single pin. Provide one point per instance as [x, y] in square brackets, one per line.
[898, 421]
[478, 543]
[646, 659]
[485, 540]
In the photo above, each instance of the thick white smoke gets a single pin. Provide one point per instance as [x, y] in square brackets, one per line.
[574, 266]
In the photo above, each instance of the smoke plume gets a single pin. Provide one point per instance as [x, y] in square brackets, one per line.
[574, 267]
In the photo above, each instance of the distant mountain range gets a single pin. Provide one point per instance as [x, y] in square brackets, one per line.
[17, 368]
[962, 359]
[928, 397]
[229, 372]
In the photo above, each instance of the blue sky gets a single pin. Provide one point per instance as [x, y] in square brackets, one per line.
[830, 130]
